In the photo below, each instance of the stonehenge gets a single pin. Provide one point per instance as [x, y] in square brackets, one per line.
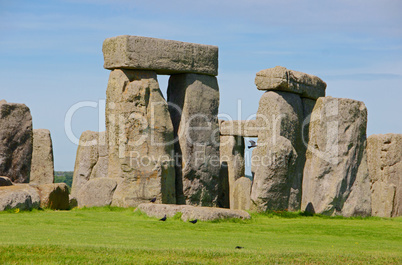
[312, 152]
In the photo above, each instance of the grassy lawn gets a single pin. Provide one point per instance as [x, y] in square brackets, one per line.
[121, 236]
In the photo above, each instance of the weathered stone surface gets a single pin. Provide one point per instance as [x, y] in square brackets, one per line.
[15, 141]
[100, 170]
[54, 196]
[246, 128]
[159, 210]
[97, 192]
[4, 181]
[193, 105]
[21, 196]
[277, 161]
[241, 194]
[91, 161]
[281, 79]
[140, 137]
[161, 56]
[210, 213]
[85, 160]
[42, 167]
[191, 212]
[308, 106]
[335, 175]
[384, 153]
[232, 152]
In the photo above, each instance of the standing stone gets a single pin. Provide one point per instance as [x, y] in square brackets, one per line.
[232, 152]
[86, 158]
[276, 164]
[335, 175]
[15, 141]
[91, 160]
[193, 105]
[42, 167]
[241, 194]
[385, 170]
[140, 137]
[223, 186]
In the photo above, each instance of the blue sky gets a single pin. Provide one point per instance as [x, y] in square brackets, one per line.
[51, 53]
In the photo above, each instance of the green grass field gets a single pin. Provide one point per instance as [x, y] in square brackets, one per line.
[122, 236]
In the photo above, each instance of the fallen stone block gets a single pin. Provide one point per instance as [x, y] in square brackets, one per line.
[4, 181]
[191, 212]
[53, 196]
[21, 196]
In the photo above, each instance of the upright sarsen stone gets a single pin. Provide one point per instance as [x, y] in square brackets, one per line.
[335, 175]
[276, 161]
[85, 160]
[384, 153]
[140, 138]
[232, 152]
[15, 141]
[193, 105]
[159, 55]
[241, 194]
[42, 167]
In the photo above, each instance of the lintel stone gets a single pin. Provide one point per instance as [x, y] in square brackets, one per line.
[162, 56]
[245, 128]
[281, 79]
